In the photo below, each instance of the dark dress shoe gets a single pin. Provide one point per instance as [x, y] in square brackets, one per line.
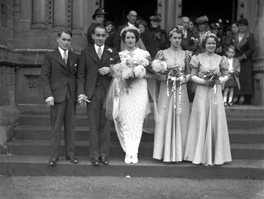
[53, 161]
[104, 160]
[95, 162]
[72, 159]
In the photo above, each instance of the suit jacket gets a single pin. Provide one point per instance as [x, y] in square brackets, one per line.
[246, 46]
[89, 64]
[56, 79]
[186, 42]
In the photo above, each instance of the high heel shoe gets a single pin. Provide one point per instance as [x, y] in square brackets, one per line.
[128, 159]
[134, 159]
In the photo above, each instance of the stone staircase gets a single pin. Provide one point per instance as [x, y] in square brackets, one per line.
[28, 153]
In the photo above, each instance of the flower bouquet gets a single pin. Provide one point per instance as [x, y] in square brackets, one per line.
[158, 65]
[131, 68]
[213, 76]
[175, 77]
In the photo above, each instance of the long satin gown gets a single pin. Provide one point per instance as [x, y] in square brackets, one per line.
[207, 140]
[174, 112]
[130, 108]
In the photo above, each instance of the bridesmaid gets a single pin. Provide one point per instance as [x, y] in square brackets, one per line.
[207, 140]
[173, 102]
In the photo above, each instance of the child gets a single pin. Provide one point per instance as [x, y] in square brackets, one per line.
[233, 81]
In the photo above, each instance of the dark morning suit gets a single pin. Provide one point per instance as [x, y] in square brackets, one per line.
[60, 81]
[95, 87]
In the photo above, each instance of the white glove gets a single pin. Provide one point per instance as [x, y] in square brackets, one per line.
[50, 101]
[82, 99]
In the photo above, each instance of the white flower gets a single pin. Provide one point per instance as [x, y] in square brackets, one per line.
[159, 66]
[140, 71]
[109, 50]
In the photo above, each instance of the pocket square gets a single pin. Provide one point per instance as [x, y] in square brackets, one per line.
[111, 59]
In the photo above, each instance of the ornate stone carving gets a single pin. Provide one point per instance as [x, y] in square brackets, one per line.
[68, 14]
[49, 10]
[32, 82]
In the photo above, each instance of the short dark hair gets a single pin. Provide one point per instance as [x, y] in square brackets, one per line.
[231, 47]
[136, 33]
[68, 32]
[211, 36]
[98, 26]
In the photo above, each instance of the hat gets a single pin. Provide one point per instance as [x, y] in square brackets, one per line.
[99, 11]
[243, 21]
[141, 22]
[155, 18]
[108, 23]
[202, 20]
[214, 26]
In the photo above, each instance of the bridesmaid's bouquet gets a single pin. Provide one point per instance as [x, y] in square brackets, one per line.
[213, 76]
[158, 65]
[210, 75]
[175, 75]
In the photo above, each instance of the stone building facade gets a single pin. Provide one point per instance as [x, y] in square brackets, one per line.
[28, 29]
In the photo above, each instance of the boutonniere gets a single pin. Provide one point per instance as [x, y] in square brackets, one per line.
[109, 50]
[75, 65]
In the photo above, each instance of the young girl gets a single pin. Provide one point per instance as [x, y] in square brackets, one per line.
[233, 81]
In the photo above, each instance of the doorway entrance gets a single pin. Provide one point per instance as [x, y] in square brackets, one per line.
[118, 9]
[214, 10]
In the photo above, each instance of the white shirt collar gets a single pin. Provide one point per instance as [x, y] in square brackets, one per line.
[62, 52]
[96, 48]
[130, 24]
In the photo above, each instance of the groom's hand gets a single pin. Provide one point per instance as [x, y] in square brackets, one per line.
[104, 70]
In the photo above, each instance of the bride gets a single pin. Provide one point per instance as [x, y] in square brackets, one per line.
[127, 102]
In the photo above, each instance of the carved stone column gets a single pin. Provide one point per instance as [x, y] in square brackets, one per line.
[39, 14]
[257, 26]
[59, 15]
[170, 11]
[77, 19]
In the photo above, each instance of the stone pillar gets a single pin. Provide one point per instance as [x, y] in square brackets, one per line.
[39, 15]
[257, 20]
[170, 11]
[77, 20]
[59, 15]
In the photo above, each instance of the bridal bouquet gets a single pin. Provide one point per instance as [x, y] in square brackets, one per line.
[131, 68]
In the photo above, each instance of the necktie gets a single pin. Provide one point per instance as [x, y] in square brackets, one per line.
[99, 52]
[65, 58]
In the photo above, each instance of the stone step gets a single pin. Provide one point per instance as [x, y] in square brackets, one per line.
[42, 147]
[16, 165]
[231, 111]
[82, 133]
[81, 121]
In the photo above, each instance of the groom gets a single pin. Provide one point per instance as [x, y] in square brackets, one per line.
[93, 81]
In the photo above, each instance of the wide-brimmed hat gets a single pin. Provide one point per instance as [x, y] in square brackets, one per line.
[155, 18]
[99, 11]
[202, 20]
[243, 21]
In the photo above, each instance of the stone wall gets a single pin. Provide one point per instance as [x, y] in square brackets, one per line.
[9, 114]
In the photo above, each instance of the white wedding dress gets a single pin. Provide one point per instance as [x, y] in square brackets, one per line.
[130, 106]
